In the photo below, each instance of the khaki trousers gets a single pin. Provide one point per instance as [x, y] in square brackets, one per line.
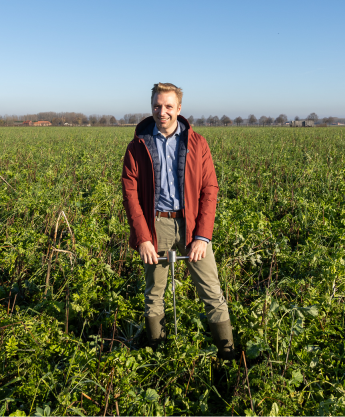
[171, 235]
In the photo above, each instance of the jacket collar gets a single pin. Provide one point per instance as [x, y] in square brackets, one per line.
[177, 131]
[146, 126]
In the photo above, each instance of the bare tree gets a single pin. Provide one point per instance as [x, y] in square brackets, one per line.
[75, 120]
[329, 120]
[190, 120]
[57, 121]
[210, 120]
[200, 121]
[269, 120]
[122, 121]
[103, 121]
[252, 119]
[48, 115]
[226, 120]
[281, 119]
[263, 120]
[132, 119]
[112, 120]
[93, 120]
[85, 121]
[238, 120]
[215, 121]
[296, 118]
[313, 116]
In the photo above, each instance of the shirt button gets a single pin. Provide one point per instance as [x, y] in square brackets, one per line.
[169, 169]
[171, 182]
[172, 196]
[168, 156]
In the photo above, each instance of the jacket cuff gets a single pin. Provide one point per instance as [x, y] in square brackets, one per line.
[201, 238]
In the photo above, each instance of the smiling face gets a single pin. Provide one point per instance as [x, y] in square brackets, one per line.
[165, 109]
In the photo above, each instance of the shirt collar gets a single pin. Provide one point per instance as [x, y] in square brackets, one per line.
[177, 131]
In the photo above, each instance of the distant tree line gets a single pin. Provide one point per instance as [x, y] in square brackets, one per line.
[80, 119]
[252, 120]
[74, 119]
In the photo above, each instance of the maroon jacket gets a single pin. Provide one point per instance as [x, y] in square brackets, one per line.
[141, 184]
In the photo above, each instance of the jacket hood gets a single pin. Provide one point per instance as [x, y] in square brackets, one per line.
[146, 126]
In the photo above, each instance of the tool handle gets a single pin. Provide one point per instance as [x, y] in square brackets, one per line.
[178, 258]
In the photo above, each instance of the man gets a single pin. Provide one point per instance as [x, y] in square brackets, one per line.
[170, 195]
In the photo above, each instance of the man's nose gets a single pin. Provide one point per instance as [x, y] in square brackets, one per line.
[162, 110]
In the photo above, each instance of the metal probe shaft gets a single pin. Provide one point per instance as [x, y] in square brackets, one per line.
[172, 258]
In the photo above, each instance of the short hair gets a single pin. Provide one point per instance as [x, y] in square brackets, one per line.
[165, 88]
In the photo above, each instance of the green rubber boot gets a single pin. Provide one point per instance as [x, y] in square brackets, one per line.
[155, 328]
[223, 339]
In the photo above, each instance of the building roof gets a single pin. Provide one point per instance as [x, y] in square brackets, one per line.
[42, 122]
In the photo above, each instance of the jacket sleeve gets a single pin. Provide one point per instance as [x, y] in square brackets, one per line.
[139, 231]
[208, 195]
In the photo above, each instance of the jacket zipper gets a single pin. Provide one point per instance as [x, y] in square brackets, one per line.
[153, 176]
[184, 197]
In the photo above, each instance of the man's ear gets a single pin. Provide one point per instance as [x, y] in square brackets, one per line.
[179, 109]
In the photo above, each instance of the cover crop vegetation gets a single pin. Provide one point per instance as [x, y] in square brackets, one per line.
[71, 335]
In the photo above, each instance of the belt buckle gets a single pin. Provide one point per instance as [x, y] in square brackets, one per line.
[169, 214]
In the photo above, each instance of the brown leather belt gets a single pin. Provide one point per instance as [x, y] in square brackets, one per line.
[169, 214]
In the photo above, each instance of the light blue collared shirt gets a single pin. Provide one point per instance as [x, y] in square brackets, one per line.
[169, 199]
[168, 149]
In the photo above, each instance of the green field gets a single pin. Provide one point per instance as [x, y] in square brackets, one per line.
[72, 340]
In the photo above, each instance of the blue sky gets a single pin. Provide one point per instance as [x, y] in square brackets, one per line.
[230, 57]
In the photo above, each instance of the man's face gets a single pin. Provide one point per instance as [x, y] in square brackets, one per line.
[165, 109]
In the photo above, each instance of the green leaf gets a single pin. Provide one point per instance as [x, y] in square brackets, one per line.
[77, 411]
[18, 413]
[311, 311]
[108, 269]
[274, 306]
[198, 323]
[253, 350]
[151, 395]
[312, 348]
[314, 362]
[149, 350]
[274, 410]
[39, 412]
[12, 381]
[297, 378]
[298, 326]
[130, 361]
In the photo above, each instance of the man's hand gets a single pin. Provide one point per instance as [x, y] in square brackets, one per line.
[197, 250]
[147, 253]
